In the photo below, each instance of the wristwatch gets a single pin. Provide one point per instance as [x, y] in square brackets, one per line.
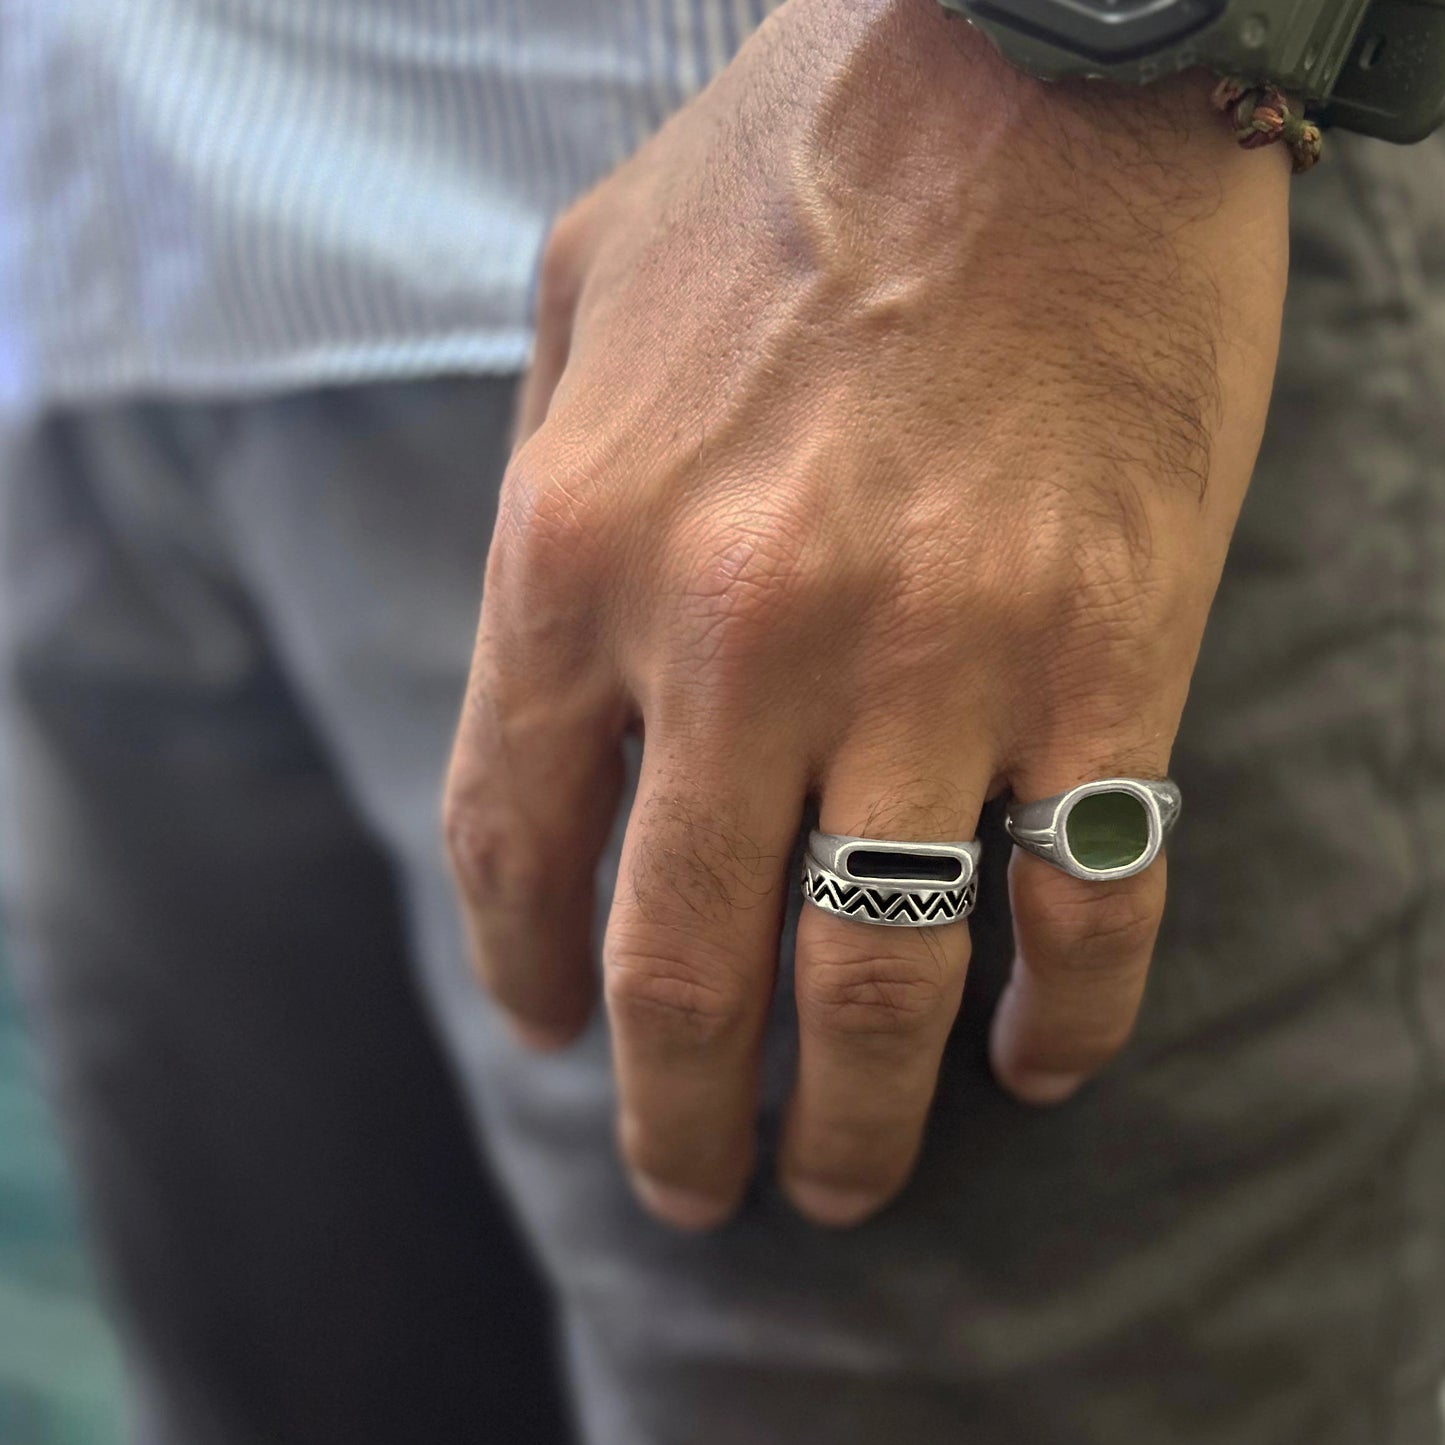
[1374, 66]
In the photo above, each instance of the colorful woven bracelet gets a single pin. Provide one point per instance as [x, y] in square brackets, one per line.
[1260, 115]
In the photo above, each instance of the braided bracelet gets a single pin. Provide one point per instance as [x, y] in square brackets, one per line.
[1260, 115]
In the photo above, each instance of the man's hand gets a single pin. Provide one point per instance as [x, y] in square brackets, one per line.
[890, 419]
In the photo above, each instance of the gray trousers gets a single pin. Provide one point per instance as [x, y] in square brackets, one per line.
[234, 640]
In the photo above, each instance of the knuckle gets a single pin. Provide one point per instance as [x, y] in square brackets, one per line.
[1091, 573]
[546, 515]
[560, 271]
[499, 866]
[655, 991]
[550, 557]
[1122, 627]
[848, 991]
[1106, 612]
[743, 589]
[1115, 928]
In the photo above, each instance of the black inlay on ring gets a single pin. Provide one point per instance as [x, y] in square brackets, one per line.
[876, 863]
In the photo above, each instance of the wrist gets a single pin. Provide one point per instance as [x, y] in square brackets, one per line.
[909, 101]
[911, 64]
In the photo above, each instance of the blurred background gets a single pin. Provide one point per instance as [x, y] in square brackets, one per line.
[59, 1374]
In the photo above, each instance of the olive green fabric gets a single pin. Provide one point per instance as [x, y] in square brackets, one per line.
[237, 641]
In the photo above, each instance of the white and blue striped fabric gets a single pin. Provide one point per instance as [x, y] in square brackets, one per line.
[230, 196]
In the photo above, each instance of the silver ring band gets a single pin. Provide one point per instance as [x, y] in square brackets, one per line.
[889, 883]
[1119, 830]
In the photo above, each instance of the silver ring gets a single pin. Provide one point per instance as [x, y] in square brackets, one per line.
[1117, 836]
[892, 884]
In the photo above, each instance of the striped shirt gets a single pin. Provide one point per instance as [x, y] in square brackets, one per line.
[230, 196]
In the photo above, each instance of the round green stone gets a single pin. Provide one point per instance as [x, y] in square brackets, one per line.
[1108, 830]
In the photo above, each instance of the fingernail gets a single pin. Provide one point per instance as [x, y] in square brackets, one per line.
[1043, 1087]
[829, 1205]
[681, 1208]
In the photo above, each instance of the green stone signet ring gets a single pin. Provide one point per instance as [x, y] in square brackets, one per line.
[1101, 831]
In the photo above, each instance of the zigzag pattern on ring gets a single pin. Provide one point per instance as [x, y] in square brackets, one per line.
[884, 906]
